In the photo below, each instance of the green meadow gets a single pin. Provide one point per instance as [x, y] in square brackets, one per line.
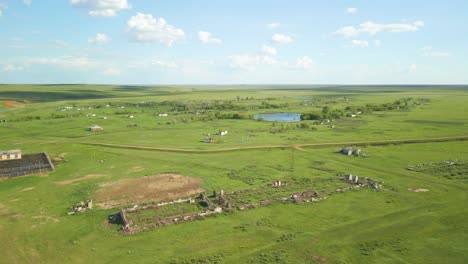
[418, 216]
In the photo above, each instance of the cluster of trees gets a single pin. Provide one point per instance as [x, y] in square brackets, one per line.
[328, 113]
[283, 127]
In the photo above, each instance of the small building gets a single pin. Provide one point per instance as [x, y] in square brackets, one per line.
[209, 140]
[162, 115]
[10, 154]
[350, 151]
[221, 133]
[95, 127]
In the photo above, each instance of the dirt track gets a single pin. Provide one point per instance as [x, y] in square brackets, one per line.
[296, 146]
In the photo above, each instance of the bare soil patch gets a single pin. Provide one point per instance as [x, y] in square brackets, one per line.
[161, 187]
[28, 189]
[55, 220]
[136, 169]
[418, 190]
[87, 177]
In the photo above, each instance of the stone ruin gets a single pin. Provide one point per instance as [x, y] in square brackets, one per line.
[81, 207]
[366, 182]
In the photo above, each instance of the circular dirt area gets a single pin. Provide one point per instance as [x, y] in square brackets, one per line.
[161, 187]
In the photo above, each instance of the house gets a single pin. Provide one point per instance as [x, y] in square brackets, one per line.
[95, 128]
[131, 117]
[10, 154]
[162, 115]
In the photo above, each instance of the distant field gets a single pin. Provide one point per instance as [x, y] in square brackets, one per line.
[393, 225]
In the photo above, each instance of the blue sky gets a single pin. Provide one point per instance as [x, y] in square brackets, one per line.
[233, 42]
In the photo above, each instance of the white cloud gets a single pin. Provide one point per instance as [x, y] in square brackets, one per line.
[412, 68]
[63, 61]
[360, 43]
[268, 50]
[282, 39]
[27, 2]
[274, 25]
[437, 54]
[105, 8]
[351, 10]
[377, 42]
[100, 38]
[375, 28]
[111, 72]
[206, 38]
[3, 6]
[429, 52]
[250, 62]
[10, 68]
[165, 64]
[146, 28]
[304, 63]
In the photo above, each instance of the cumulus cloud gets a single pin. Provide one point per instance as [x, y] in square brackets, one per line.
[104, 8]
[351, 10]
[268, 50]
[206, 38]
[281, 39]
[100, 38]
[165, 64]
[360, 43]
[412, 68]
[27, 2]
[146, 28]
[274, 25]
[375, 28]
[377, 42]
[10, 68]
[304, 63]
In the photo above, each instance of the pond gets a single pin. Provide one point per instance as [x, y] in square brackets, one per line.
[279, 117]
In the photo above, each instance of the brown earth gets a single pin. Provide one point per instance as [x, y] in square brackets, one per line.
[11, 104]
[87, 177]
[417, 190]
[161, 187]
[136, 169]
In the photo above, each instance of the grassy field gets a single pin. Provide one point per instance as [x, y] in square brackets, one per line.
[393, 225]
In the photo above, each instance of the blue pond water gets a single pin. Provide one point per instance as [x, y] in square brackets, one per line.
[280, 117]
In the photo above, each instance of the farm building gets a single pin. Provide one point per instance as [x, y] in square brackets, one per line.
[221, 133]
[95, 128]
[10, 154]
[350, 151]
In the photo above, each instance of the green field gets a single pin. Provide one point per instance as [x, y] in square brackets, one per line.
[393, 225]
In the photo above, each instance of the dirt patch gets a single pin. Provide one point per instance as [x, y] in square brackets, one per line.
[161, 187]
[319, 259]
[28, 189]
[417, 190]
[87, 177]
[136, 169]
[55, 220]
[11, 104]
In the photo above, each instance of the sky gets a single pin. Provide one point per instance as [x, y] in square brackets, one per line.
[234, 42]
